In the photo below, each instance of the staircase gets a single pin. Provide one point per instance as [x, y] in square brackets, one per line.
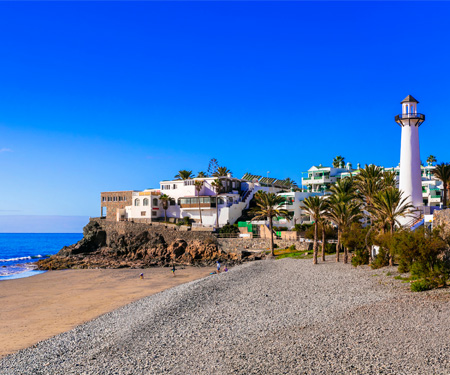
[415, 223]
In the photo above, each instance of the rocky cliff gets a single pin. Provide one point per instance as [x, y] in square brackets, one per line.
[123, 244]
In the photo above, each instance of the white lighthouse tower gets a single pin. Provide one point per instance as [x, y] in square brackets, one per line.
[410, 173]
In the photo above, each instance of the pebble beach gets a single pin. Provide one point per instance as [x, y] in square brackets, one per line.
[266, 317]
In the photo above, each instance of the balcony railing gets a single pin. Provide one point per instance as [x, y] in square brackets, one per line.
[403, 116]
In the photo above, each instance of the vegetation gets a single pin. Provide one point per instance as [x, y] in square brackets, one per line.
[202, 174]
[212, 166]
[431, 160]
[165, 201]
[198, 187]
[184, 175]
[229, 229]
[218, 187]
[221, 172]
[442, 172]
[338, 161]
[268, 206]
[315, 206]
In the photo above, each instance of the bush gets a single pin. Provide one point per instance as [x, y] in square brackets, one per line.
[280, 229]
[422, 285]
[354, 239]
[184, 221]
[360, 257]
[292, 247]
[382, 259]
[227, 228]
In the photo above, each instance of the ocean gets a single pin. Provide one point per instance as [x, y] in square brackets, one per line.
[19, 250]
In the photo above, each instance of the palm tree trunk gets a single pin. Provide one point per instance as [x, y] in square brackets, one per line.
[444, 201]
[338, 245]
[217, 210]
[272, 252]
[323, 243]
[391, 258]
[315, 243]
[345, 255]
[200, 211]
[165, 215]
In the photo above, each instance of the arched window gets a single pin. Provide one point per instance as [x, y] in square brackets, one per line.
[145, 202]
[137, 202]
[155, 201]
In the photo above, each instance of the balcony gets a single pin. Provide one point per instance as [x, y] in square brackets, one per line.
[419, 117]
[205, 202]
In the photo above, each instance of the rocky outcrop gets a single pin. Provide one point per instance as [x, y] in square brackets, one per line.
[118, 245]
[441, 220]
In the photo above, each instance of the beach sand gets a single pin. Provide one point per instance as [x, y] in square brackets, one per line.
[38, 307]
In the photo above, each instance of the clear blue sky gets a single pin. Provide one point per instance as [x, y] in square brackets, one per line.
[109, 95]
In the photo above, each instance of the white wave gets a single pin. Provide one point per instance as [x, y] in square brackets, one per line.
[18, 258]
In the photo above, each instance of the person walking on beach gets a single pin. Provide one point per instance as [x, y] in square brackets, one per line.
[173, 269]
[141, 275]
[218, 267]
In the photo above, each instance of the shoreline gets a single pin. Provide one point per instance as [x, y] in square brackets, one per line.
[41, 306]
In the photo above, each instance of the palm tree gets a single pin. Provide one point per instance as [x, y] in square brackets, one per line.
[221, 172]
[388, 206]
[268, 206]
[431, 159]
[344, 189]
[198, 187]
[314, 206]
[337, 161]
[217, 186]
[342, 213]
[389, 179]
[184, 175]
[442, 172]
[165, 200]
[289, 183]
[368, 182]
[201, 175]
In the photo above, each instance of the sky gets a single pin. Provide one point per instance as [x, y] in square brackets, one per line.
[103, 96]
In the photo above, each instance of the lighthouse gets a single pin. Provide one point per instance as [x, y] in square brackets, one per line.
[410, 173]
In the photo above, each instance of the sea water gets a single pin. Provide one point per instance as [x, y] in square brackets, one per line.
[18, 251]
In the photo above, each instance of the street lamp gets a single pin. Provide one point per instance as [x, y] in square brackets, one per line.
[268, 180]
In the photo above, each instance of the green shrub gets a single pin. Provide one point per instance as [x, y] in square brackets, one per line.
[381, 260]
[422, 285]
[229, 229]
[292, 247]
[360, 257]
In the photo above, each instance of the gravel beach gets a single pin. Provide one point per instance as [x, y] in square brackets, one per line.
[266, 317]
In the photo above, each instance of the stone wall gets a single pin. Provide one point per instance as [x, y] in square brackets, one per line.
[233, 244]
[169, 232]
[118, 200]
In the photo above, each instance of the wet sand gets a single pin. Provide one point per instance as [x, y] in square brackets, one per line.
[38, 307]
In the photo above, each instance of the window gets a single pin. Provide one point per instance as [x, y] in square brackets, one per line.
[165, 187]
[120, 199]
[174, 186]
[154, 213]
[137, 202]
[114, 199]
[145, 202]
[155, 201]
[124, 198]
[188, 182]
[172, 202]
[109, 199]
[103, 199]
[142, 213]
